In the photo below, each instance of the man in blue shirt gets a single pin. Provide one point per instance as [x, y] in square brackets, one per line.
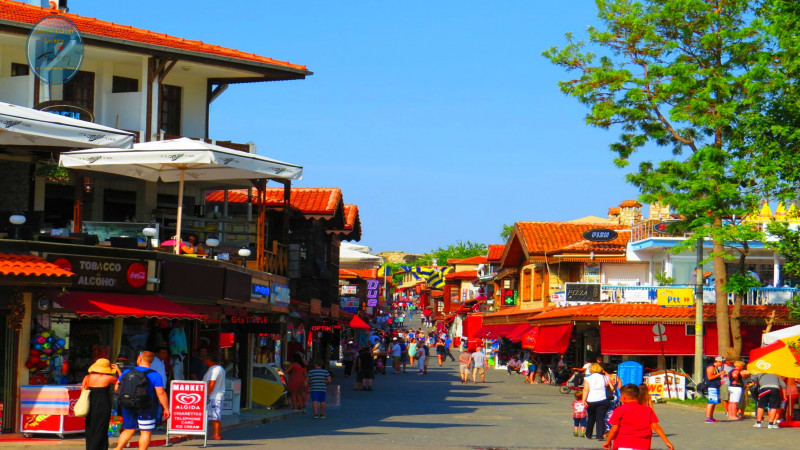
[448, 342]
[143, 420]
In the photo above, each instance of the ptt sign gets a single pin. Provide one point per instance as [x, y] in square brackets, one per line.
[675, 297]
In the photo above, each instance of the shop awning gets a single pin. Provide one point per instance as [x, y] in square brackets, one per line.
[554, 339]
[497, 331]
[530, 337]
[638, 339]
[518, 332]
[101, 304]
[358, 322]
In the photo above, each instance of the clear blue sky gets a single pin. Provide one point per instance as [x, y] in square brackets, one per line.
[440, 120]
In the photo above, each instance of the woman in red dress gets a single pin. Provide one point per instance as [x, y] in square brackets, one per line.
[298, 380]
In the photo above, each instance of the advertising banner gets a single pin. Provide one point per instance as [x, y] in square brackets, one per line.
[669, 385]
[187, 408]
[675, 297]
[103, 274]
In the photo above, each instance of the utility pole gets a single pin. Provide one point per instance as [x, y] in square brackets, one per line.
[698, 315]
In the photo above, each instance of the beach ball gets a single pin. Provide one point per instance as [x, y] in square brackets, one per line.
[29, 365]
[61, 342]
[37, 346]
[34, 352]
[44, 356]
[46, 334]
[42, 364]
[51, 339]
[47, 351]
[34, 359]
[41, 339]
[46, 345]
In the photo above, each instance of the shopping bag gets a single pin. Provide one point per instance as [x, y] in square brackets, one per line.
[81, 408]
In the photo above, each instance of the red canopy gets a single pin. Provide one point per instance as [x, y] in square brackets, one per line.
[518, 332]
[529, 338]
[101, 304]
[553, 338]
[358, 322]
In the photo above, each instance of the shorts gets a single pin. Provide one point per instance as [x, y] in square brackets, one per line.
[724, 393]
[144, 420]
[396, 360]
[463, 368]
[769, 397]
[215, 409]
[579, 422]
[479, 370]
[713, 396]
[735, 394]
[318, 396]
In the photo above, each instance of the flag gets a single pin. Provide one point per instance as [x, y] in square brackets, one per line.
[436, 279]
[384, 271]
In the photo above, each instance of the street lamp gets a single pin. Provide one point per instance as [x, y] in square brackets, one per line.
[244, 253]
[17, 220]
[212, 243]
[149, 232]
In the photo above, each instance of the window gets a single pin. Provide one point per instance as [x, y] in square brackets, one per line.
[123, 84]
[171, 109]
[19, 70]
[80, 90]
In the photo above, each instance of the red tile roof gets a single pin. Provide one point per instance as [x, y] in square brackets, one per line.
[350, 216]
[29, 265]
[310, 201]
[495, 252]
[629, 204]
[645, 312]
[613, 211]
[14, 11]
[358, 273]
[471, 260]
[463, 275]
[550, 237]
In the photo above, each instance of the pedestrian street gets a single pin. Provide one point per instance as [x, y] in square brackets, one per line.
[437, 411]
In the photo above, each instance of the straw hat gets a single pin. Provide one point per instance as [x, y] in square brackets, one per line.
[102, 365]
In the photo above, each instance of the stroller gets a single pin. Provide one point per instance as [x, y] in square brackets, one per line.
[573, 383]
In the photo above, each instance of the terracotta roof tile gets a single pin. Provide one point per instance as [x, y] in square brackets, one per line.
[550, 237]
[463, 275]
[613, 211]
[471, 260]
[617, 311]
[29, 265]
[311, 201]
[350, 216]
[495, 252]
[21, 13]
[629, 204]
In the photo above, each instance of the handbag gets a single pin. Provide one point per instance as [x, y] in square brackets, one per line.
[609, 389]
[81, 408]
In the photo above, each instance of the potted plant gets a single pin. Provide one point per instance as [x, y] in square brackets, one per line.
[54, 173]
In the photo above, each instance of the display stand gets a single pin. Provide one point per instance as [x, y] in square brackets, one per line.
[188, 411]
[48, 410]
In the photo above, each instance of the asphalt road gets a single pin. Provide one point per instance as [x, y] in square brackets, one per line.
[437, 411]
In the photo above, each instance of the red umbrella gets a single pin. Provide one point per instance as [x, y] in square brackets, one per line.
[171, 243]
[358, 322]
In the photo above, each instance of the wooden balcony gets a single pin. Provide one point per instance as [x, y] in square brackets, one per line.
[276, 260]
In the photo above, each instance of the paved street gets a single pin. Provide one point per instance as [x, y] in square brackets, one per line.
[437, 411]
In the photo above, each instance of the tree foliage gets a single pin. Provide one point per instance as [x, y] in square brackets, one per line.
[459, 250]
[700, 79]
[505, 233]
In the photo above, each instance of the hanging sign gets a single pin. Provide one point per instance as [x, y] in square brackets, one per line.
[103, 274]
[372, 292]
[600, 235]
[187, 408]
[582, 292]
[675, 297]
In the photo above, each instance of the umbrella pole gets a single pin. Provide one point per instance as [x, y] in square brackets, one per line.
[178, 224]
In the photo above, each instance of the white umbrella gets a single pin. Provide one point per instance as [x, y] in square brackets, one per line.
[349, 259]
[26, 126]
[177, 159]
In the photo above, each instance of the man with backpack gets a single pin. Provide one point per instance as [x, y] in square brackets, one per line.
[139, 391]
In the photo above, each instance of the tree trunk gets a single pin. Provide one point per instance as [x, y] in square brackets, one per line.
[736, 329]
[721, 277]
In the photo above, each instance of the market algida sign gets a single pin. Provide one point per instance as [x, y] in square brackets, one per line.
[103, 274]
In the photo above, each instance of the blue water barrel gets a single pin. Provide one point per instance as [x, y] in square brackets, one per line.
[630, 372]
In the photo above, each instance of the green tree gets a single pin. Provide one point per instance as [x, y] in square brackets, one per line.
[506, 232]
[697, 77]
[788, 245]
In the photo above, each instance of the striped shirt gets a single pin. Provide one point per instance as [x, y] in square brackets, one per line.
[318, 380]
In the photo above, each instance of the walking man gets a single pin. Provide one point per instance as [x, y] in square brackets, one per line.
[215, 386]
[714, 374]
[478, 365]
[770, 387]
[448, 342]
[142, 395]
[464, 363]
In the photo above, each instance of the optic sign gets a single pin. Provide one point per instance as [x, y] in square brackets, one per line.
[675, 297]
[372, 292]
[187, 407]
[600, 235]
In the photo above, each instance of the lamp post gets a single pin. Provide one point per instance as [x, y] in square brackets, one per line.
[149, 232]
[17, 220]
[244, 253]
[212, 243]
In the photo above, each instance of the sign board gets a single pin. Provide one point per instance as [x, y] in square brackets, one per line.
[65, 109]
[675, 297]
[187, 408]
[372, 292]
[351, 289]
[671, 384]
[280, 294]
[103, 274]
[659, 329]
[583, 292]
[600, 235]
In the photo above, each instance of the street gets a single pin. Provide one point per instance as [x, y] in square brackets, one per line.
[437, 411]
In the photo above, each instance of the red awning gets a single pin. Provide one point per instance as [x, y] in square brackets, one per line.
[484, 331]
[553, 339]
[518, 332]
[638, 339]
[497, 331]
[101, 304]
[358, 322]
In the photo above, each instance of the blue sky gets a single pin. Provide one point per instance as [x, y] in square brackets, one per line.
[440, 120]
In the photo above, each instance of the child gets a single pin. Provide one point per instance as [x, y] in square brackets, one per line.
[631, 423]
[644, 396]
[318, 378]
[579, 415]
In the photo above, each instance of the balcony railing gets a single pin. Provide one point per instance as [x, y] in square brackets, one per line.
[644, 230]
[647, 294]
[246, 148]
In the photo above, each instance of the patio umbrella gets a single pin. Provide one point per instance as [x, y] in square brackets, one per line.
[349, 259]
[358, 322]
[26, 126]
[781, 356]
[179, 159]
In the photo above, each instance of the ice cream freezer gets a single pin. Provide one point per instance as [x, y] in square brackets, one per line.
[48, 409]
